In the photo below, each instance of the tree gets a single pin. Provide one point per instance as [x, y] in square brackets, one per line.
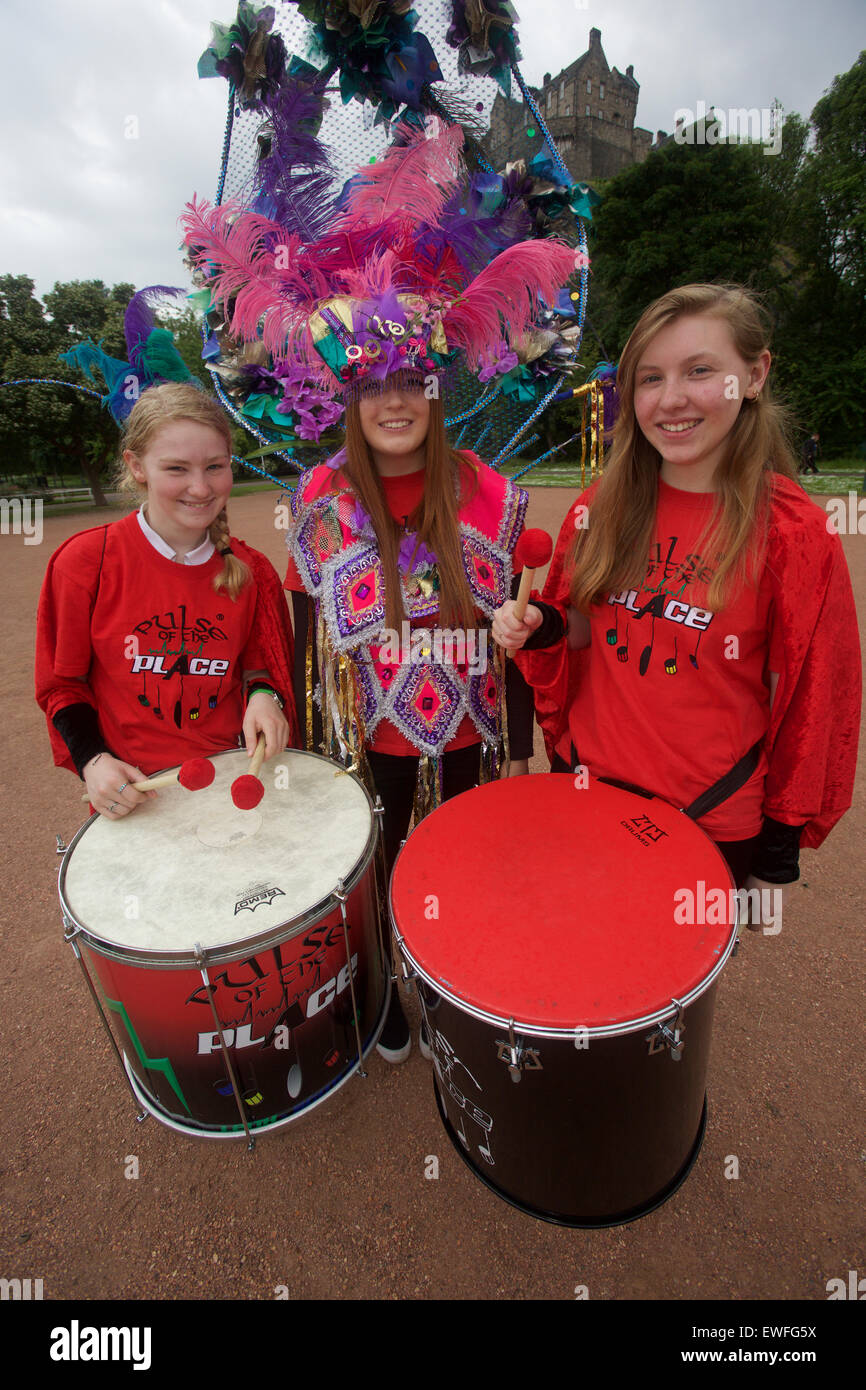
[822, 308]
[43, 427]
[689, 212]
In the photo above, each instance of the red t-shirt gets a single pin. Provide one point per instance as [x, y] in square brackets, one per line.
[402, 495]
[162, 652]
[675, 693]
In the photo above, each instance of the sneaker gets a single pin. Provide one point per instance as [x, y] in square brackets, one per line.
[395, 1042]
[424, 1043]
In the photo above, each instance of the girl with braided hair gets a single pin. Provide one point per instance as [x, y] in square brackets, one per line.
[161, 637]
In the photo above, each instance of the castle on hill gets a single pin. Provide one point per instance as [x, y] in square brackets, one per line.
[589, 109]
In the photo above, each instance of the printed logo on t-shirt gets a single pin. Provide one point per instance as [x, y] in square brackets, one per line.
[663, 601]
[174, 650]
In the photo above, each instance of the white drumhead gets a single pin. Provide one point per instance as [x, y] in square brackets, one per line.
[189, 867]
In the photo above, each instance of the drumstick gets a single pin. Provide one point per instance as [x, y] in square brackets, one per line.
[194, 774]
[248, 790]
[533, 550]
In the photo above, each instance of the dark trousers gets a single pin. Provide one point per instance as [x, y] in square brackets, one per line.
[738, 853]
[395, 782]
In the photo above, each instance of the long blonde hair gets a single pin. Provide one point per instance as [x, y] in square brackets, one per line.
[611, 553]
[164, 405]
[447, 475]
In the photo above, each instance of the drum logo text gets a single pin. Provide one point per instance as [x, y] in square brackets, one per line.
[242, 1035]
[253, 900]
[644, 829]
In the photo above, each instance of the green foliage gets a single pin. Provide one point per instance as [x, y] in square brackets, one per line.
[49, 429]
[46, 430]
[689, 213]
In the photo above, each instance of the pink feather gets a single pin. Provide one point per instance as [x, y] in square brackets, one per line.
[413, 181]
[380, 272]
[239, 252]
[508, 289]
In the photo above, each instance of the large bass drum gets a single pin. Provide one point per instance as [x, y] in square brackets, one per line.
[567, 940]
[237, 954]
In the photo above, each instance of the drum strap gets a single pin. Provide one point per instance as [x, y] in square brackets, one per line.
[731, 782]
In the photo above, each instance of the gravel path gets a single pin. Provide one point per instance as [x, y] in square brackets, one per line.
[338, 1206]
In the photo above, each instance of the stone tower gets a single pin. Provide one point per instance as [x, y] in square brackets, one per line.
[589, 109]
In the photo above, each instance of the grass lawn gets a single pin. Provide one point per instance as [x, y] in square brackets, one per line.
[837, 477]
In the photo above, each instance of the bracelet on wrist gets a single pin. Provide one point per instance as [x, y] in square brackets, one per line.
[261, 689]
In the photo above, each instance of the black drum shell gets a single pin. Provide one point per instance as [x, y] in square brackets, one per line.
[597, 1131]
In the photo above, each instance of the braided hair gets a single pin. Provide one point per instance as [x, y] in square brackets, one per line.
[234, 573]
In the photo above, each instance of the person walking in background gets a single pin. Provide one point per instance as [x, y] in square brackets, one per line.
[809, 454]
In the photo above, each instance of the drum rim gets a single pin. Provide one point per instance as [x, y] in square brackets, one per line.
[269, 1126]
[224, 952]
[600, 1030]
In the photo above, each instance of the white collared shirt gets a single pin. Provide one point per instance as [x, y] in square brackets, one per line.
[199, 556]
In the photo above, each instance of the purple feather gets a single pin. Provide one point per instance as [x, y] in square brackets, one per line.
[413, 552]
[301, 202]
[139, 320]
[475, 241]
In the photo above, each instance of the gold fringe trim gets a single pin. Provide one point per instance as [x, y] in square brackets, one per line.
[499, 666]
[591, 397]
[428, 787]
[342, 708]
[308, 671]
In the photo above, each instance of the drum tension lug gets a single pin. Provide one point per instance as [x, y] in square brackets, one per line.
[342, 898]
[513, 1053]
[670, 1035]
[61, 847]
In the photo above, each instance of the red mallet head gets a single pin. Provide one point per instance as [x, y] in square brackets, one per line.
[533, 549]
[196, 773]
[247, 792]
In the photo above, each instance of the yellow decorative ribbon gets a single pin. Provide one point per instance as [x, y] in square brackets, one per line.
[591, 397]
[308, 672]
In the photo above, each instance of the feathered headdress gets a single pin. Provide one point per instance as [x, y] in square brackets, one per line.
[387, 278]
[153, 357]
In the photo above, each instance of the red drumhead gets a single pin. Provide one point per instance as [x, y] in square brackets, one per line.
[561, 907]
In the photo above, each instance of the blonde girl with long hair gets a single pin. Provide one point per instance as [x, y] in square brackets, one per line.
[161, 636]
[696, 634]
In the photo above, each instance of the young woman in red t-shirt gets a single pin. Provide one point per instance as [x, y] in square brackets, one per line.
[696, 632]
[160, 637]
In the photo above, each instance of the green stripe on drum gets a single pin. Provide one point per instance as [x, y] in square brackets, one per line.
[151, 1063]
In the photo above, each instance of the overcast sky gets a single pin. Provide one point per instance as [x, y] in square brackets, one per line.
[82, 200]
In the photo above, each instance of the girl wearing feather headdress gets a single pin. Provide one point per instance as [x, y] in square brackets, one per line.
[401, 547]
[697, 635]
[161, 637]
[400, 550]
